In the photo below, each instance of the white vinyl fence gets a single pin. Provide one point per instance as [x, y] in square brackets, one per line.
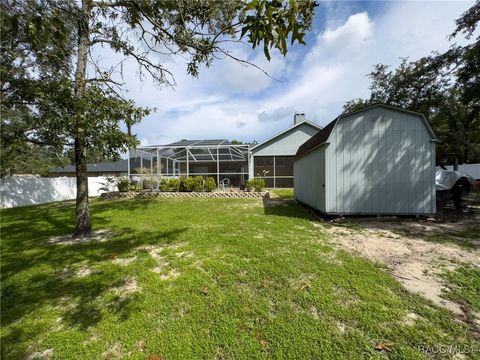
[30, 190]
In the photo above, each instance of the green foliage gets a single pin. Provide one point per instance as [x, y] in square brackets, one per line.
[272, 22]
[174, 184]
[257, 184]
[134, 186]
[198, 183]
[210, 184]
[164, 184]
[187, 184]
[149, 183]
[123, 184]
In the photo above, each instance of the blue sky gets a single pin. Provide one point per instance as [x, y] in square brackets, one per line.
[231, 101]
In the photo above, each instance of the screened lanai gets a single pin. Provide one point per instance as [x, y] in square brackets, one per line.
[227, 163]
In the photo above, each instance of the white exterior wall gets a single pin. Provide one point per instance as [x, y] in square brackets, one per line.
[26, 190]
[309, 186]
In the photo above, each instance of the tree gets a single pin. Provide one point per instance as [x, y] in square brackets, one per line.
[71, 106]
[444, 87]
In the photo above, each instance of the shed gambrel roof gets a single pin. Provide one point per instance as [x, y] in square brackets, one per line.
[322, 136]
[306, 122]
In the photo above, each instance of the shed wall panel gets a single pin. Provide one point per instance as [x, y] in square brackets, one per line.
[310, 187]
[380, 162]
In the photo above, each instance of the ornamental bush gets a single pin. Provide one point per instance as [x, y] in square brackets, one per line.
[198, 183]
[175, 184]
[164, 184]
[256, 184]
[123, 184]
[149, 184]
[187, 184]
[210, 184]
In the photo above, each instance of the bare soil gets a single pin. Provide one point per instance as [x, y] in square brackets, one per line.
[416, 251]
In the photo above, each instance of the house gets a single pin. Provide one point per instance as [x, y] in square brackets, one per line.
[378, 160]
[229, 164]
[273, 158]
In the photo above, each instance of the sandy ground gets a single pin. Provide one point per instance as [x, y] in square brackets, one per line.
[414, 251]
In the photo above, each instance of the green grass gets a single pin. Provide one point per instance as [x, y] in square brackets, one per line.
[466, 238]
[282, 193]
[202, 279]
[464, 286]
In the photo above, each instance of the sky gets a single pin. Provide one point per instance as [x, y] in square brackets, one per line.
[231, 101]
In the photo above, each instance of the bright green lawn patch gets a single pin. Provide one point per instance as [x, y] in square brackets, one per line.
[282, 193]
[202, 279]
[464, 285]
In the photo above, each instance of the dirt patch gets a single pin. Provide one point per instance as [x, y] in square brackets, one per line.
[412, 249]
[128, 287]
[115, 352]
[124, 261]
[184, 254]
[98, 235]
[45, 354]
[410, 319]
[341, 327]
[172, 274]
[83, 271]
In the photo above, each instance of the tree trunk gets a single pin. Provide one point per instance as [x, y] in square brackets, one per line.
[82, 216]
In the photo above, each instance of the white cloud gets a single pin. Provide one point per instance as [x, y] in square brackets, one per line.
[231, 101]
[357, 28]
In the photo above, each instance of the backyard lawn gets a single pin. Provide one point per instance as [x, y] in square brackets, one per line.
[204, 279]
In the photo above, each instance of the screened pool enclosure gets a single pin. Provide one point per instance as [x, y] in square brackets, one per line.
[227, 163]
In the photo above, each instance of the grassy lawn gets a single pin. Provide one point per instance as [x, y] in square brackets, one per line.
[464, 286]
[206, 279]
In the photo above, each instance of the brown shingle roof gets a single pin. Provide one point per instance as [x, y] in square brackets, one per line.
[316, 140]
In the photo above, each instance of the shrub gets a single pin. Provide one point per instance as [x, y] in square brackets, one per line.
[187, 184]
[198, 183]
[164, 184]
[256, 184]
[123, 185]
[210, 184]
[175, 184]
[149, 184]
[134, 186]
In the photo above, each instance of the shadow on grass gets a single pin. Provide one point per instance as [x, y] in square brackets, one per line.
[33, 269]
[284, 207]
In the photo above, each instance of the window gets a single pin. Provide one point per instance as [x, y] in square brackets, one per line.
[280, 162]
[259, 162]
[269, 162]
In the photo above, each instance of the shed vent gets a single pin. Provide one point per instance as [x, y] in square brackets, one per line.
[298, 118]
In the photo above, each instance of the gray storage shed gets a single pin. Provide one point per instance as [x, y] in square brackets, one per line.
[376, 161]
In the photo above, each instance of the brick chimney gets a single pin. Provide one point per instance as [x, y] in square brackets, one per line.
[298, 118]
